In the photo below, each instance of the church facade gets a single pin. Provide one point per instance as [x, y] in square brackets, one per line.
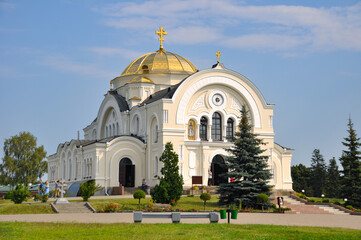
[162, 97]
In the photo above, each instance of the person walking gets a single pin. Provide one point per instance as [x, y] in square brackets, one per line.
[47, 188]
[41, 188]
[57, 188]
[209, 177]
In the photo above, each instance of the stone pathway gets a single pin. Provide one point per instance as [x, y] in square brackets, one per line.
[319, 220]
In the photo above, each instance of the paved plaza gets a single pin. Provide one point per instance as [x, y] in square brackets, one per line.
[320, 220]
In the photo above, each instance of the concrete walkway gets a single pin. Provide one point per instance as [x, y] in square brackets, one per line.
[320, 220]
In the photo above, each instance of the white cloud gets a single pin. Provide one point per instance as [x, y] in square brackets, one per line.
[65, 64]
[122, 52]
[280, 27]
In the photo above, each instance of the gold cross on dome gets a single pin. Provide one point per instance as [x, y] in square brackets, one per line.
[161, 33]
[218, 54]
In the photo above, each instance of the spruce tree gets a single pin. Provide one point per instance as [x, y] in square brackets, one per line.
[170, 185]
[247, 167]
[318, 168]
[351, 163]
[333, 180]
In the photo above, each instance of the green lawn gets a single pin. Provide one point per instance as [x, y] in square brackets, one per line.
[185, 203]
[25, 208]
[19, 230]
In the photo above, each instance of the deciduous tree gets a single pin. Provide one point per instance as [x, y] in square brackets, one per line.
[23, 162]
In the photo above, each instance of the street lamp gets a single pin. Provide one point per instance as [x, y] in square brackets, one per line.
[345, 200]
[322, 195]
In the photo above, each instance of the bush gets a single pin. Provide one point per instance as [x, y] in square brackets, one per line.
[310, 200]
[337, 203]
[190, 195]
[9, 195]
[262, 198]
[326, 200]
[20, 194]
[87, 189]
[109, 207]
[205, 197]
[44, 198]
[138, 195]
[349, 207]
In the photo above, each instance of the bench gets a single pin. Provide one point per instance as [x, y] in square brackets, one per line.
[176, 216]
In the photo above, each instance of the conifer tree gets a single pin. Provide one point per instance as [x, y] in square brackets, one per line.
[351, 163]
[301, 178]
[247, 167]
[170, 185]
[318, 168]
[333, 180]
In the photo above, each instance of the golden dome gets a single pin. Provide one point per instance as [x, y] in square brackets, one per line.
[140, 79]
[160, 61]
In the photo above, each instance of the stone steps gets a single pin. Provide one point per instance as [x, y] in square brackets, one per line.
[301, 208]
[72, 207]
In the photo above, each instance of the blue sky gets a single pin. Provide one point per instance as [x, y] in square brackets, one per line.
[57, 58]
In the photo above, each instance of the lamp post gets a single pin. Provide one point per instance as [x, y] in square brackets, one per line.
[303, 191]
[345, 201]
[322, 196]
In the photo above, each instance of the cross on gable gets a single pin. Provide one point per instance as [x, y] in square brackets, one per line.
[161, 33]
[218, 54]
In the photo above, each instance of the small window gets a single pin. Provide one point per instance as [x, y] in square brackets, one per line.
[229, 132]
[216, 127]
[156, 134]
[203, 128]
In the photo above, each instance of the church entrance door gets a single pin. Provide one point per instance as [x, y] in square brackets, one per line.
[218, 168]
[126, 172]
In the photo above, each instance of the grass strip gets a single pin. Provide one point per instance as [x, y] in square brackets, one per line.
[25, 209]
[21, 230]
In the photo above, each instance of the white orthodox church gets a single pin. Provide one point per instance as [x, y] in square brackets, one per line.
[162, 97]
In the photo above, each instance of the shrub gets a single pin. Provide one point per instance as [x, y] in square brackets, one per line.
[326, 200]
[44, 198]
[205, 197]
[310, 200]
[87, 189]
[138, 195]
[190, 195]
[349, 207]
[20, 194]
[109, 207]
[173, 202]
[9, 195]
[262, 198]
[337, 203]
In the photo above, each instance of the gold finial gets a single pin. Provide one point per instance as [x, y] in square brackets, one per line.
[161, 33]
[218, 54]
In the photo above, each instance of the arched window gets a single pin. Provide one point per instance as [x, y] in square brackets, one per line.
[216, 127]
[106, 131]
[203, 128]
[156, 134]
[110, 130]
[136, 130]
[155, 169]
[69, 174]
[118, 133]
[114, 133]
[229, 132]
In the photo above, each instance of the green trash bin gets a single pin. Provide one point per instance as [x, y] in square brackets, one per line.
[234, 214]
[223, 214]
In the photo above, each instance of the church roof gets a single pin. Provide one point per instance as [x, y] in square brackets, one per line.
[165, 93]
[160, 61]
[122, 103]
